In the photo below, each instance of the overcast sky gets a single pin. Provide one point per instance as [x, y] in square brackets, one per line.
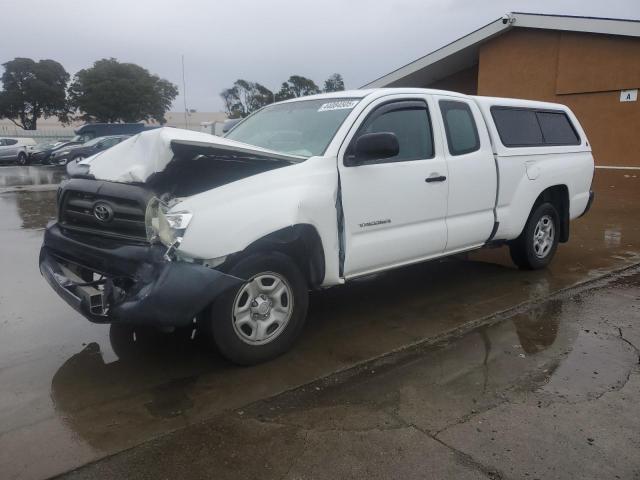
[258, 40]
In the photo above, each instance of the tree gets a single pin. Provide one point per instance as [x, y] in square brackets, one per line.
[32, 90]
[245, 97]
[111, 91]
[297, 86]
[334, 83]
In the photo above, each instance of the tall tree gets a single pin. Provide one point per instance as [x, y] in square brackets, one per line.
[297, 86]
[334, 83]
[245, 97]
[111, 91]
[32, 90]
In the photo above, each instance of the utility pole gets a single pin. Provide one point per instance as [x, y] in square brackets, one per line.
[184, 96]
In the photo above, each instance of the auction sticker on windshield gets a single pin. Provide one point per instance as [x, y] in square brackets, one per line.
[341, 105]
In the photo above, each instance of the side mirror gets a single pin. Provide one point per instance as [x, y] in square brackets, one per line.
[373, 146]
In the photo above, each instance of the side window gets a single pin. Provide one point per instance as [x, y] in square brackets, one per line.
[411, 124]
[517, 127]
[522, 127]
[2, 142]
[10, 141]
[460, 127]
[557, 129]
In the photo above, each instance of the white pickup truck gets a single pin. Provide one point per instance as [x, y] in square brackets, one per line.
[173, 228]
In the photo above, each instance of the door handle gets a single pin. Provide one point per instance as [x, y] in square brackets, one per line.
[439, 178]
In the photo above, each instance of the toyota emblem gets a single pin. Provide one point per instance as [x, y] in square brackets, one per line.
[102, 212]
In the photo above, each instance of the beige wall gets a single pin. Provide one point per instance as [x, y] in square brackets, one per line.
[465, 81]
[583, 71]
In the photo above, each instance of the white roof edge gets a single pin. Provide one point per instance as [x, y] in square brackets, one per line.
[608, 26]
[516, 102]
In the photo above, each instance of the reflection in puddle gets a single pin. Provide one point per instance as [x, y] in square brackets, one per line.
[172, 398]
[612, 238]
[537, 329]
[162, 367]
[36, 208]
[14, 176]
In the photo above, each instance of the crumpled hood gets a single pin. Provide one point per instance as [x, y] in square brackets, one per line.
[136, 159]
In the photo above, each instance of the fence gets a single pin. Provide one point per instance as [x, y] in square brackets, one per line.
[42, 135]
[45, 135]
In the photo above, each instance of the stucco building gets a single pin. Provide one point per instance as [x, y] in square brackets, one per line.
[590, 64]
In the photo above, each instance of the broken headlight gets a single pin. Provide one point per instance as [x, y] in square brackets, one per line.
[165, 226]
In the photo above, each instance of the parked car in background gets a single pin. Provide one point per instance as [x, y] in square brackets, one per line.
[15, 149]
[79, 152]
[94, 130]
[41, 153]
[229, 124]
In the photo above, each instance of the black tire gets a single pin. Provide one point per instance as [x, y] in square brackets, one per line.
[219, 323]
[22, 159]
[524, 253]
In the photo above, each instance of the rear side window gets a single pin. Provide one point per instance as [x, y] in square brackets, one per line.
[410, 123]
[460, 127]
[517, 128]
[523, 127]
[556, 129]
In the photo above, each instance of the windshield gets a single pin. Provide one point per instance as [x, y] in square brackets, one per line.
[45, 146]
[83, 137]
[302, 128]
[90, 143]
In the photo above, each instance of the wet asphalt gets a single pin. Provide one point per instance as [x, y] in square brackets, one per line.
[485, 370]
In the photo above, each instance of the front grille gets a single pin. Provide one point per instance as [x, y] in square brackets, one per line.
[103, 213]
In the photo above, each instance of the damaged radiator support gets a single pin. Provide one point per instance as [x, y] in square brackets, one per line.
[93, 297]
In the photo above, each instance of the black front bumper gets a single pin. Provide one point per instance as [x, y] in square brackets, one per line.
[139, 286]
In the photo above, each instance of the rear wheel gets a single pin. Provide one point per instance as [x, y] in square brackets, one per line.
[538, 242]
[263, 317]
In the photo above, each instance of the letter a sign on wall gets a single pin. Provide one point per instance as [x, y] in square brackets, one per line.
[629, 95]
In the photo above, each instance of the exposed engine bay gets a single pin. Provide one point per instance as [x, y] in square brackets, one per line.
[186, 176]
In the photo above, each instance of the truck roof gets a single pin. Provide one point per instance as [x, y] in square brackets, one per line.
[375, 92]
[379, 92]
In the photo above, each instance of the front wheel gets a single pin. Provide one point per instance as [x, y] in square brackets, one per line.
[263, 317]
[538, 242]
[22, 158]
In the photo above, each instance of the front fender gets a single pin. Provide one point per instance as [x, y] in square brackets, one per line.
[228, 219]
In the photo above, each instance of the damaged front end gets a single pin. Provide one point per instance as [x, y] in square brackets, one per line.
[149, 291]
[112, 280]
[114, 255]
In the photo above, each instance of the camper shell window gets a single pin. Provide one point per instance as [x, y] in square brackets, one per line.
[530, 127]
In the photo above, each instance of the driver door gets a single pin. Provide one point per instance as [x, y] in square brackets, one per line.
[395, 208]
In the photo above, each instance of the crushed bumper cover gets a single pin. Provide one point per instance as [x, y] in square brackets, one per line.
[159, 292]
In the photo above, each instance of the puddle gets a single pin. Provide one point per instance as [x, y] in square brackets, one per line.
[15, 176]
